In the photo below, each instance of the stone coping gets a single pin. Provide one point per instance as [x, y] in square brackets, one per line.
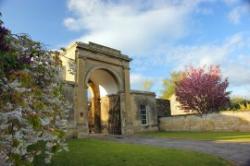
[140, 92]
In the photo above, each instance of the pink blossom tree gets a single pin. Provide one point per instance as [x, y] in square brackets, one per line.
[202, 90]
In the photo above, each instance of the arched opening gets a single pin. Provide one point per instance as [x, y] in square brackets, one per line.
[103, 102]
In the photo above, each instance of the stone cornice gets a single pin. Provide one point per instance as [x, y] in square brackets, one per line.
[97, 48]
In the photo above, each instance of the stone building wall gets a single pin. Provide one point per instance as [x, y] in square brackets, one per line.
[163, 107]
[223, 121]
[176, 109]
[148, 99]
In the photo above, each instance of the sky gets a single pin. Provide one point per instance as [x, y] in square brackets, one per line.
[161, 36]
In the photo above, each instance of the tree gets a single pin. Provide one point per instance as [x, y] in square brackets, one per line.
[33, 111]
[239, 103]
[202, 90]
[147, 85]
[170, 84]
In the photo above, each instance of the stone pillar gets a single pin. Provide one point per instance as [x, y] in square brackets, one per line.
[127, 127]
[123, 113]
[81, 100]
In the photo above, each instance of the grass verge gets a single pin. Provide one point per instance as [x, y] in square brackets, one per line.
[92, 152]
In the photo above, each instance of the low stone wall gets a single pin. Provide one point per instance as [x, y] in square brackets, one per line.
[223, 121]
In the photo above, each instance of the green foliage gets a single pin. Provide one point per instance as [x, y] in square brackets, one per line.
[238, 103]
[32, 107]
[170, 84]
[35, 121]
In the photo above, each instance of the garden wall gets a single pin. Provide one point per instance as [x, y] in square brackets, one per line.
[223, 121]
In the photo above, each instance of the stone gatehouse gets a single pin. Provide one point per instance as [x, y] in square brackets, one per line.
[97, 82]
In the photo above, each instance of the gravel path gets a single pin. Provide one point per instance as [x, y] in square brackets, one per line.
[238, 153]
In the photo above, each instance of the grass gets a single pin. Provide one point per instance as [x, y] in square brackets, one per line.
[202, 136]
[91, 152]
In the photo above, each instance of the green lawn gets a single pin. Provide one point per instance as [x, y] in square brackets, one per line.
[212, 136]
[91, 152]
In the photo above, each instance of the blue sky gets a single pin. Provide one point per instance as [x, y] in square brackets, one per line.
[161, 36]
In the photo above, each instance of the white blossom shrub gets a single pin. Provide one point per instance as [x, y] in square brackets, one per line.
[33, 111]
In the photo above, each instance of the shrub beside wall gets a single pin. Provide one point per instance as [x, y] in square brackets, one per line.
[223, 121]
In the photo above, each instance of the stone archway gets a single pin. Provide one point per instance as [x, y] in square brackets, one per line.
[104, 72]
[89, 59]
[103, 101]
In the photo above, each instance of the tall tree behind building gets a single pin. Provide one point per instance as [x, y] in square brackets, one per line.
[170, 84]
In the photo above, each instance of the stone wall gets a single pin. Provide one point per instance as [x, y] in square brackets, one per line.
[68, 91]
[223, 121]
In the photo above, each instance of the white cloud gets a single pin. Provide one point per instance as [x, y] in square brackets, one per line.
[234, 65]
[228, 54]
[71, 24]
[148, 29]
[237, 13]
[137, 80]
[238, 74]
[130, 25]
[231, 2]
[206, 54]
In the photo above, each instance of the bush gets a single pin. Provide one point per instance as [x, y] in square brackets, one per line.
[239, 104]
[32, 108]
